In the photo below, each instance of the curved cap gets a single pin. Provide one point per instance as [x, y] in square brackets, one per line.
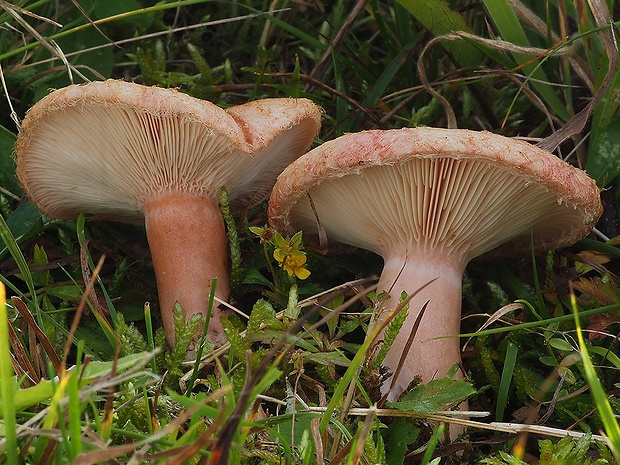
[106, 147]
[470, 192]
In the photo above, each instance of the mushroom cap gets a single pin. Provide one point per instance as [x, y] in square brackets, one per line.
[427, 188]
[106, 147]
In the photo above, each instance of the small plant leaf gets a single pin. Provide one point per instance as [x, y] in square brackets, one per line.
[400, 434]
[439, 19]
[560, 344]
[336, 358]
[45, 389]
[431, 397]
[40, 278]
[605, 292]
[253, 276]
[24, 223]
[390, 334]
[7, 163]
[603, 163]
[262, 313]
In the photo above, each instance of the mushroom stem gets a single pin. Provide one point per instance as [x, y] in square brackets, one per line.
[187, 239]
[427, 357]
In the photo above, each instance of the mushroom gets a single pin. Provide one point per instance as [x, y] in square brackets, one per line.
[132, 153]
[428, 201]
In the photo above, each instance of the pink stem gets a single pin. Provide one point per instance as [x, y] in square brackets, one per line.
[187, 239]
[427, 357]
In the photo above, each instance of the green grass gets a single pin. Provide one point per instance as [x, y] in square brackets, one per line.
[610, 422]
[84, 371]
[7, 385]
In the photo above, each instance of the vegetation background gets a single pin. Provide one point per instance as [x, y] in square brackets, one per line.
[519, 68]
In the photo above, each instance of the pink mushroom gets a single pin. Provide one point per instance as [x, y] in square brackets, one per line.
[126, 152]
[429, 201]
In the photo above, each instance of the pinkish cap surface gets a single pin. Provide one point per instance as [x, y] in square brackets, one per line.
[472, 192]
[105, 147]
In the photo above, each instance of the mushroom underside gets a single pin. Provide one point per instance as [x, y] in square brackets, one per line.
[111, 169]
[469, 207]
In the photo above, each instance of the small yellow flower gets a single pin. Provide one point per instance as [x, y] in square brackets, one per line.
[289, 256]
[294, 265]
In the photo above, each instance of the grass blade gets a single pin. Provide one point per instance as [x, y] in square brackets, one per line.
[74, 410]
[7, 386]
[612, 428]
[432, 444]
[16, 253]
[544, 323]
[428, 11]
[504, 385]
[510, 28]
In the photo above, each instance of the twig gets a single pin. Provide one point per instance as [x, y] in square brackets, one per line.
[453, 417]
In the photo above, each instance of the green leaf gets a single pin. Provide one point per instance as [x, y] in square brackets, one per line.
[296, 239]
[40, 278]
[262, 313]
[203, 67]
[560, 344]
[253, 276]
[233, 239]
[7, 163]
[606, 110]
[603, 163]
[392, 69]
[278, 240]
[258, 230]
[431, 445]
[270, 377]
[185, 330]
[195, 402]
[11, 244]
[336, 358]
[400, 435]
[390, 335]
[238, 344]
[506, 380]
[511, 31]
[294, 86]
[439, 19]
[431, 397]
[24, 221]
[504, 459]
[606, 354]
[45, 389]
